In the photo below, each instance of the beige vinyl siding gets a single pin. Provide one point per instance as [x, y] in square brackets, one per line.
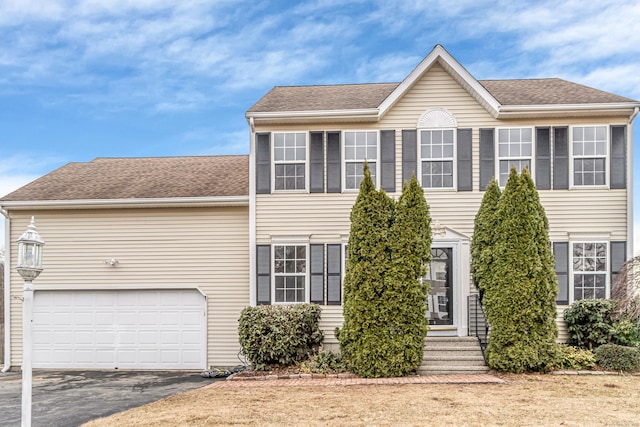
[598, 211]
[203, 248]
[563, 335]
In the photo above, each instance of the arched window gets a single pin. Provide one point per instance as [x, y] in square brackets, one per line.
[437, 148]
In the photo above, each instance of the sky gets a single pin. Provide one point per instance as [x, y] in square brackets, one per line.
[132, 78]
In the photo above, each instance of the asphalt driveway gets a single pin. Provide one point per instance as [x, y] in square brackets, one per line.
[71, 398]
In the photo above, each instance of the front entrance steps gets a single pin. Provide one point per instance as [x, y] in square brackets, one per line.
[452, 355]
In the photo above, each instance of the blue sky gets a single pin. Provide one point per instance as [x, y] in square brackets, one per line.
[118, 78]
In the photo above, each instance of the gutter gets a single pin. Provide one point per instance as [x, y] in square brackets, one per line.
[368, 114]
[7, 291]
[128, 203]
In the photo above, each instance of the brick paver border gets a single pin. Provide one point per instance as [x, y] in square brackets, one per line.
[337, 381]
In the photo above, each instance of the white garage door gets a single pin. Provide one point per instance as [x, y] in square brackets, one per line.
[124, 329]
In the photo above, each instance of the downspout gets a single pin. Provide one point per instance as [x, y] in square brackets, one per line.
[252, 215]
[630, 219]
[7, 291]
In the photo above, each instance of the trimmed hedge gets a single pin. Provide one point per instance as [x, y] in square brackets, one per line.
[615, 357]
[277, 334]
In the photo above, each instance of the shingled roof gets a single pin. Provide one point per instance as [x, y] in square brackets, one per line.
[324, 98]
[552, 91]
[141, 178]
[547, 92]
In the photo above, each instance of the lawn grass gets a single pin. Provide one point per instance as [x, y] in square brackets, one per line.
[526, 400]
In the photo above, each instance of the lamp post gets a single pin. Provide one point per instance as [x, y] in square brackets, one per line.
[29, 266]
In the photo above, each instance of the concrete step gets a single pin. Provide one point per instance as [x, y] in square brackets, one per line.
[452, 370]
[452, 355]
[452, 361]
[429, 347]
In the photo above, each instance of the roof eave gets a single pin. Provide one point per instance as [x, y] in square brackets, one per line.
[366, 114]
[605, 109]
[127, 203]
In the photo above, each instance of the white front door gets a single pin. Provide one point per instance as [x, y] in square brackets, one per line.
[119, 329]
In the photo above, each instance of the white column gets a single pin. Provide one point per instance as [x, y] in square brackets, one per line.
[27, 346]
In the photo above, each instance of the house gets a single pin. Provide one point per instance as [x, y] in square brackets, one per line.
[150, 261]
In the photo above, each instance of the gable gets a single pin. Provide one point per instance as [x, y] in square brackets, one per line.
[436, 89]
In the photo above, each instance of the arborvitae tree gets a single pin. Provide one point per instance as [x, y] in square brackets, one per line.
[406, 295]
[368, 257]
[484, 235]
[384, 302]
[520, 300]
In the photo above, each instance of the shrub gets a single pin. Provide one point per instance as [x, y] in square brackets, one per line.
[626, 332]
[279, 334]
[615, 357]
[325, 362]
[576, 358]
[384, 302]
[520, 293]
[589, 322]
[484, 236]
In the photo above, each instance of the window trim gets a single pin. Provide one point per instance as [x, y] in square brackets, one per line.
[607, 161]
[274, 163]
[344, 161]
[572, 272]
[454, 159]
[273, 273]
[498, 158]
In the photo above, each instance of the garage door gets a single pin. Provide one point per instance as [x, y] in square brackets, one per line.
[124, 329]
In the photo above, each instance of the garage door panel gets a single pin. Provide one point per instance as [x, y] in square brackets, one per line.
[119, 329]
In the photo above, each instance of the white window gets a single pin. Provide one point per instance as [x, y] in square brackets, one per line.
[437, 155]
[290, 273]
[289, 158]
[589, 150]
[515, 147]
[358, 147]
[589, 270]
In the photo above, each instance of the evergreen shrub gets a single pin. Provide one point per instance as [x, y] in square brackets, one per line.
[384, 302]
[325, 362]
[278, 334]
[615, 357]
[520, 299]
[589, 322]
[575, 358]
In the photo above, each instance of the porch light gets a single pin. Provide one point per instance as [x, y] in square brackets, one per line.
[29, 266]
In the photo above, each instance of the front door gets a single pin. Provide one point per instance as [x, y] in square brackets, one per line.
[440, 278]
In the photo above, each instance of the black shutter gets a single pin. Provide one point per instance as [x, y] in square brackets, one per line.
[487, 154]
[409, 154]
[334, 274]
[316, 271]
[388, 160]
[465, 178]
[543, 158]
[263, 276]
[618, 258]
[561, 253]
[263, 163]
[560, 158]
[618, 157]
[316, 162]
[334, 179]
